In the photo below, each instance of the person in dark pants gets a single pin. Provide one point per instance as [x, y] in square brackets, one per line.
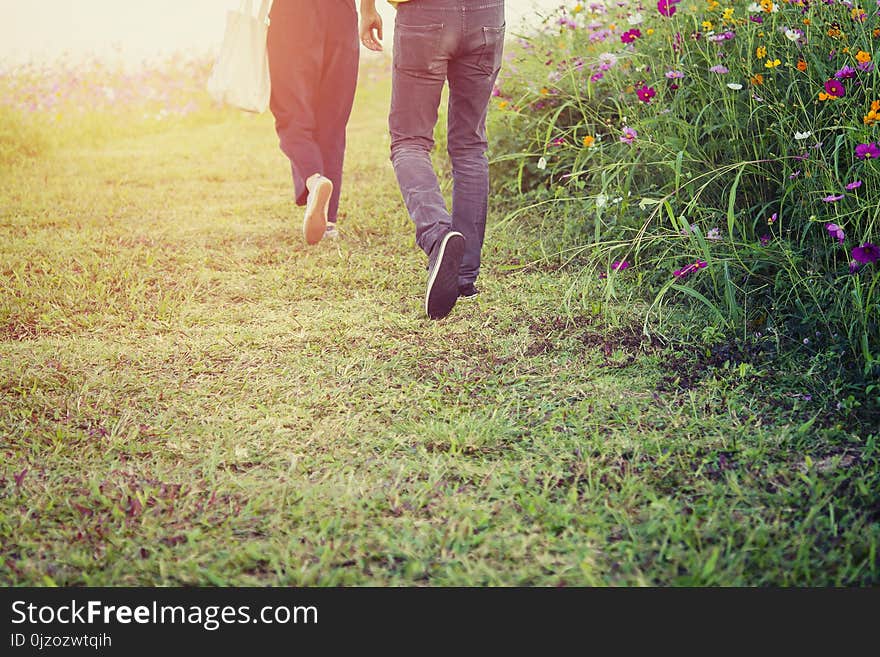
[313, 67]
[435, 41]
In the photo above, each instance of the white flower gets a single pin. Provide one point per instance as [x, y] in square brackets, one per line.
[601, 200]
[542, 163]
[635, 19]
[713, 234]
[754, 7]
[792, 35]
[802, 135]
[736, 86]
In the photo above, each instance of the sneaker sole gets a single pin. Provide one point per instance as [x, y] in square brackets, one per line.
[315, 221]
[443, 283]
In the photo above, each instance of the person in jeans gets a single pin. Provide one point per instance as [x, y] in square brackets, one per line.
[435, 41]
[313, 66]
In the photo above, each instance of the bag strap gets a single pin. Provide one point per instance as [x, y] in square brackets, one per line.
[264, 11]
[246, 7]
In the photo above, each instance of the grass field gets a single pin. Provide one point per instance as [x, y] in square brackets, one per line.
[190, 395]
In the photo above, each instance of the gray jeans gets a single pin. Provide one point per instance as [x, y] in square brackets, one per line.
[434, 41]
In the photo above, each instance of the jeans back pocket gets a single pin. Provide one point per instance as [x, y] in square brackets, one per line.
[493, 49]
[417, 48]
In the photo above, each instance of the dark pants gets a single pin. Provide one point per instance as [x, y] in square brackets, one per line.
[313, 64]
[434, 41]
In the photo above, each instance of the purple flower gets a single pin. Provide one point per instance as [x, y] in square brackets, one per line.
[845, 73]
[719, 68]
[866, 253]
[867, 151]
[629, 135]
[835, 88]
[795, 174]
[674, 75]
[867, 67]
[832, 198]
[765, 240]
[855, 184]
[756, 18]
[836, 231]
[854, 266]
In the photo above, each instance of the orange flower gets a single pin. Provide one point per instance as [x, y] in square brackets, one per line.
[757, 79]
[801, 65]
[863, 56]
[589, 140]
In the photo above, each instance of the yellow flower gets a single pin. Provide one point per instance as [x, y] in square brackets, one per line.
[503, 104]
[649, 31]
[577, 9]
[806, 21]
[707, 25]
[589, 140]
[727, 14]
[858, 14]
[772, 63]
[833, 32]
[863, 56]
[713, 5]
[544, 91]
[760, 52]
[767, 5]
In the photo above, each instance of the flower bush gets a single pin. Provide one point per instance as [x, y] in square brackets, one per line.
[731, 136]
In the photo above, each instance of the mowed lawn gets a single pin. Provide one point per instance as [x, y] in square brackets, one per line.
[191, 395]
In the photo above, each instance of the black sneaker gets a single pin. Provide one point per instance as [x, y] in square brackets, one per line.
[468, 291]
[443, 275]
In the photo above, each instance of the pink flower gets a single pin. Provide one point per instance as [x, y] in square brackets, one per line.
[631, 35]
[666, 7]
[835, 88]
[645, 93]
[833, 198]
[629, 135]
[855, 184]
[836, 231]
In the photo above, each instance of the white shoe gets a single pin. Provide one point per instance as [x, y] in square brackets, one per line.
[315, 220]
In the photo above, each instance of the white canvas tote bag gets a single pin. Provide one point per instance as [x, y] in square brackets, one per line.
[240, 76]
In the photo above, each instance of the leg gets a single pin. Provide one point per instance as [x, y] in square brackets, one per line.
[336, 93]
[471, 80]
[295, 46]
[419, 73]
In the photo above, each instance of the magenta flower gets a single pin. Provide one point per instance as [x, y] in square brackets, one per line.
[631, 35]
[619, 265]
[866, 254]
[866, 151]
[835, 88]
[629, 135]
[833, 198]
[595, 77]
[645, 93]
[666, 7]
[765, 240]
[690, 269]
[836, 231]
[855, 184]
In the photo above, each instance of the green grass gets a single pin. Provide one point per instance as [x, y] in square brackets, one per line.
[190, 395]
